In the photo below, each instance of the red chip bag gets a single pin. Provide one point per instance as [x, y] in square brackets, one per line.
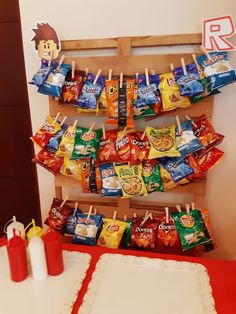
[123, 147]
[198, 173]
[72, 87]
[139, 148]
[144, 234]
[49, 161]
[107, 150]
[209, 160]
[58, 214]
[206, 134]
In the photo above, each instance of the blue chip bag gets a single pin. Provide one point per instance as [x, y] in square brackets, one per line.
[55, 81]
[86, 229]
[178, 171]
[218, 69]
[147, 95]
[110, 181]
[40, 77]
[54, 141]
[90, 93]
[189, 84]
[71, 222]
[186, 141]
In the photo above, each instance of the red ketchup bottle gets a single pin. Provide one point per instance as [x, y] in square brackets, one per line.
[53, 248]
[16, 250]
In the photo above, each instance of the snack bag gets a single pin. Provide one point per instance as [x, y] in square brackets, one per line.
[85, 171]
[71, 168]
[66, 145]
[147, 95]
[126, 241]
[139, 148]
[198, 174]
[86, 143]
[152, 177]
[206, 134]
[167, 235]
[54, 141]
[71, 222]
[102, 101]
[110, 181]
[120, 103]
[144, 234]
[189, 84]
[178, 170]
[205, 217]
[131, 180]
[170, 93]
[123, 147]
[86, 229]
[90, 93]
[162, 142]
[58, 214]
[186, 141]
[168, 181]
[40, 77]
[112, 232]
[49, 161]
[55, 81]
[107, 150]
[191, 230]
[90, 176]
[210, 159]
[218, 69]
[49, 128]
[71, 90]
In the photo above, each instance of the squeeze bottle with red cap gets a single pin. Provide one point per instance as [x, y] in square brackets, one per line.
[53, 248]
[16, 250]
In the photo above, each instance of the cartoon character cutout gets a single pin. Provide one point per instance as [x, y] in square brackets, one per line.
[47, 42]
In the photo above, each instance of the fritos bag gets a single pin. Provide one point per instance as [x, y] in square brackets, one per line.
[152, 177]
[66, 145]
[112, 233]
[162, 142]
[49, 161]
[131, 180]
[71, 90]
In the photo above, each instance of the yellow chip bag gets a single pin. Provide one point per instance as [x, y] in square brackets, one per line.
[170, 93]
[162, 142]
[131, 180]
[112, 232]
[167, 180]
[71, 168]
[102, 102]
[67, 143]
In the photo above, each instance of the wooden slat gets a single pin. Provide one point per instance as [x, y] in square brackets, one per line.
[140, 41]
[124, 46]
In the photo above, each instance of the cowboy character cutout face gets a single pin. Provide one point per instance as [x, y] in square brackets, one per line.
[46, 41]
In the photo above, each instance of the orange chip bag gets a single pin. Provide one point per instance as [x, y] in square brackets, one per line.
[90, 176]
[120, 103]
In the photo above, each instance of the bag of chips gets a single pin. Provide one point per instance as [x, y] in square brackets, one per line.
[40, 77]
[186, 141]
[147, 95]
[206, 134]
[107, 150]
[54, 141]
[170, 93]
[71, 168]
[218, 69]
[189, 84]
[71, 90]
[162, 142]
[49, 128]
[90, 176]
[144, 234]
[112, 232]
[102, 101]
[86, 229]
[126, 241]
[139, 148]
[66, 145]
[55, 81]
[58, 214]
[168, 181]
[86, 143]
[198, 174]
[131, 180]
[49, 161]
[191, 230]
[110, 181]
[90, 93]
[123, 147]
[152, 177]
[85, 171]
[178, 171]
[120, 103]
[211, 159]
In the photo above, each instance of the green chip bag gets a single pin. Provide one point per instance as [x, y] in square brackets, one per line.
[127, 234]
[86, 143]
[152, 177]
[191, 229]
[206, 83]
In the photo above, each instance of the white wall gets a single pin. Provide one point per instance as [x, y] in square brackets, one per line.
[77, 19]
